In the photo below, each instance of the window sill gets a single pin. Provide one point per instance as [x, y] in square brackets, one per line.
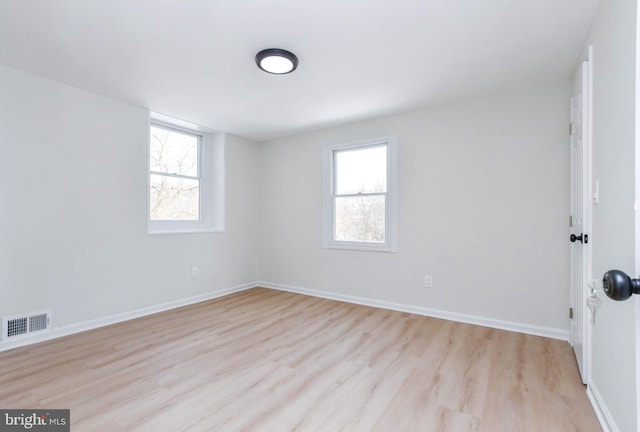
[363, 247]
[181, 230]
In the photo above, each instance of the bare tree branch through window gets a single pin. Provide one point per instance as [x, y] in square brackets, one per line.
[174, 175]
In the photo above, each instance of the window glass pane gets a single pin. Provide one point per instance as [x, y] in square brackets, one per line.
[361, 170]
[360, 218]
[174, 198]
[173, 152]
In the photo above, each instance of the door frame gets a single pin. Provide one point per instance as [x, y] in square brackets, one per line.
[637, 210]
[588, 201]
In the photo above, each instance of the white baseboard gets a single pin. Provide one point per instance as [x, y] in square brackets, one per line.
[600, 408]
[125, 316]
[602, 412]
[451, 316]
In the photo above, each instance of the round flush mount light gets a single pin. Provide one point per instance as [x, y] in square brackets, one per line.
[277, 61]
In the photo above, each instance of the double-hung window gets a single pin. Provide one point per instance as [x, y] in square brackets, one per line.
[360, 196]
[175, 174]
[185, 179]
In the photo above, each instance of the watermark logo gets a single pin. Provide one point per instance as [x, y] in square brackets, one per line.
[55, 420]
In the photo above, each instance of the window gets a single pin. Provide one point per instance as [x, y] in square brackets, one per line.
[174, 166]
[359, 196]
[185, 178]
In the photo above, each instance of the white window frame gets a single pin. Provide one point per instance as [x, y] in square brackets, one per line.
[391, 206]
[211, 176]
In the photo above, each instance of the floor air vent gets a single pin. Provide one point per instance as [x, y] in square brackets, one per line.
[25, 325]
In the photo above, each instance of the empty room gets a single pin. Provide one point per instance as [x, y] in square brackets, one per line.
[353, 215]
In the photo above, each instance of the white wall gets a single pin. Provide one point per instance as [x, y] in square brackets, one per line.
[73, 197]
[483, 207]
[613, 370]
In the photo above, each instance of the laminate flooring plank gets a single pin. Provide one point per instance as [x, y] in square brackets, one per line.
[265, 360]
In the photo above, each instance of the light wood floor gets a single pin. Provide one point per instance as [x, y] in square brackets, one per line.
[263, 360]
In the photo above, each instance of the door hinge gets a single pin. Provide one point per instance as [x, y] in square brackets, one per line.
[571, 221]
[570, 128]
[570, 313]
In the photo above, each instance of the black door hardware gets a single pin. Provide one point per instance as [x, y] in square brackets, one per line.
[619, 286]
[582, 238]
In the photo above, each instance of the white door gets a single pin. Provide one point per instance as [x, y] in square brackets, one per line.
[578, 236]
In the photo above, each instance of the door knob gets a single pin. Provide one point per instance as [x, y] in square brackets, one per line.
[619, 286]
[580, 238]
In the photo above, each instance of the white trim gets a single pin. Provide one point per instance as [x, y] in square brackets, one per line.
[418, 310]
[175, 123]
[125, 316]
[391, 200]
[583, 71]
[138, 313]
[637, 211]
[605, 418]
[436, 313]
[211, 175]
[588, 216]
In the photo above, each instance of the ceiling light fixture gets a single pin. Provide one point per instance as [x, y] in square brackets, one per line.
[277, 61]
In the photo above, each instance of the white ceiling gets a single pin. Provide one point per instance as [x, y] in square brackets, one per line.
[194, 59]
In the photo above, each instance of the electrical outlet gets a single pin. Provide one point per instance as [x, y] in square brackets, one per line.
[194, 272]
[428, 281]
